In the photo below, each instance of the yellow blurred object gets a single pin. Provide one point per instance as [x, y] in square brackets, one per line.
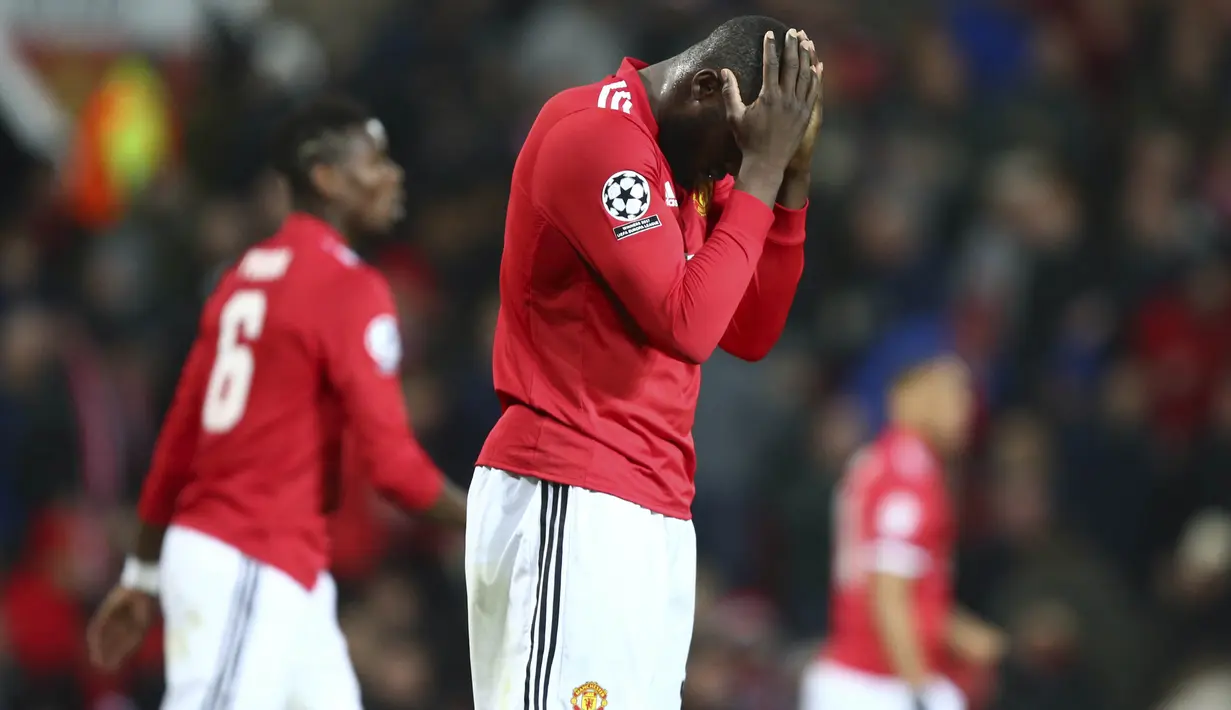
[134, 129]
[123, 140]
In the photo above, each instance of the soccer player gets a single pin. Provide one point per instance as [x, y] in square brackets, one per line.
[297, 347]
[894, 627]
[630, 255]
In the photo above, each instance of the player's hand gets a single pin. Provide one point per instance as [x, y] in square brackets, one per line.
[984, 645]
[802, 161]
[450, 508]
[770, 131]
[119, 626]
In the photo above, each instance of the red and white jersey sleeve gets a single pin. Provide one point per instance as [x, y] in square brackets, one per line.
[363, 353]
[900, 518]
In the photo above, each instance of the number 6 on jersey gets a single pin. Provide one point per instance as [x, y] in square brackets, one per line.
[226, 396]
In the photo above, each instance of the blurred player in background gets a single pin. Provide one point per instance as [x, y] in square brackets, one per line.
[894, 626]
[630, 254]
[297, 346]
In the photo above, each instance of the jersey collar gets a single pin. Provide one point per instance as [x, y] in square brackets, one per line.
[299, 224]
[630, 73]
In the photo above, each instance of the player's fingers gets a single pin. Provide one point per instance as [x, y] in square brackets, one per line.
[731, 98]
[814, 57]
[804, 74]
[806, 42]
[93, 644]
[790, 63]
[816, 87]
[769, 66]
[100, 640]
[117, 645]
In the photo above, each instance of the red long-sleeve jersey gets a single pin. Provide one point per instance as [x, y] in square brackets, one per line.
[297, 345]
[615, 285]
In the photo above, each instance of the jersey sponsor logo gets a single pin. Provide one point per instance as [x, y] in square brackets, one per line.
[265, 264]
[669, 195]
[624, 231]
[626, 196]
[616, 97]
[899, 516]
[589, 696]
[384, 343]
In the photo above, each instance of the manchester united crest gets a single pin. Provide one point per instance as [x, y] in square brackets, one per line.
[701, 197]
[589, 696]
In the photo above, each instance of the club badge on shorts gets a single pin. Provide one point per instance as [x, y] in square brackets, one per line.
[589, 696]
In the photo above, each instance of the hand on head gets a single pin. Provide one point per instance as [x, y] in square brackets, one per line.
[774, 127]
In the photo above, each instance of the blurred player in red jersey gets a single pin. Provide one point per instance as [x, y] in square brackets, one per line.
[894, 626]
[630, 254]
[297, 345]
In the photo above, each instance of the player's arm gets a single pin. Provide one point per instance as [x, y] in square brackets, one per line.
[119, 626]
[892, 608]
[898, 560]
[171, 465]
[973, 639]
[363, 352]
[761, 316]
[682, 305]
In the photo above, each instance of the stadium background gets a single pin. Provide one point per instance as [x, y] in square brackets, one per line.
[1048, 180]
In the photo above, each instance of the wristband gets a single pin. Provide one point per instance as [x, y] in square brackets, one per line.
[141, 576]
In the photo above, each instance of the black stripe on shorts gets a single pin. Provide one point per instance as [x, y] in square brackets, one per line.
[553, 509]
[221, 688]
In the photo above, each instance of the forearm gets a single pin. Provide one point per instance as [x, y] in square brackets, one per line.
[761, 179]
[140, 571]
[973, 639]
[796, 184]
[960, 626]
[692, 320]
[409, 477]
[762, 314]
[895, 622]
[148, 546]
[171, 464]
[449, 508]
[418, 486]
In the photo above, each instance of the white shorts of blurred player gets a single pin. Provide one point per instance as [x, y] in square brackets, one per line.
[830, 686]
[241, 635]
[576, 599]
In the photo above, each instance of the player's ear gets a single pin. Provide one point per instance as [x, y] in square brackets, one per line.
[706, 86]
[324, 179]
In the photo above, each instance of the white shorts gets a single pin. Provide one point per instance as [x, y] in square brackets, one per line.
[241, 635]
[830, 686]
[575, 597]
